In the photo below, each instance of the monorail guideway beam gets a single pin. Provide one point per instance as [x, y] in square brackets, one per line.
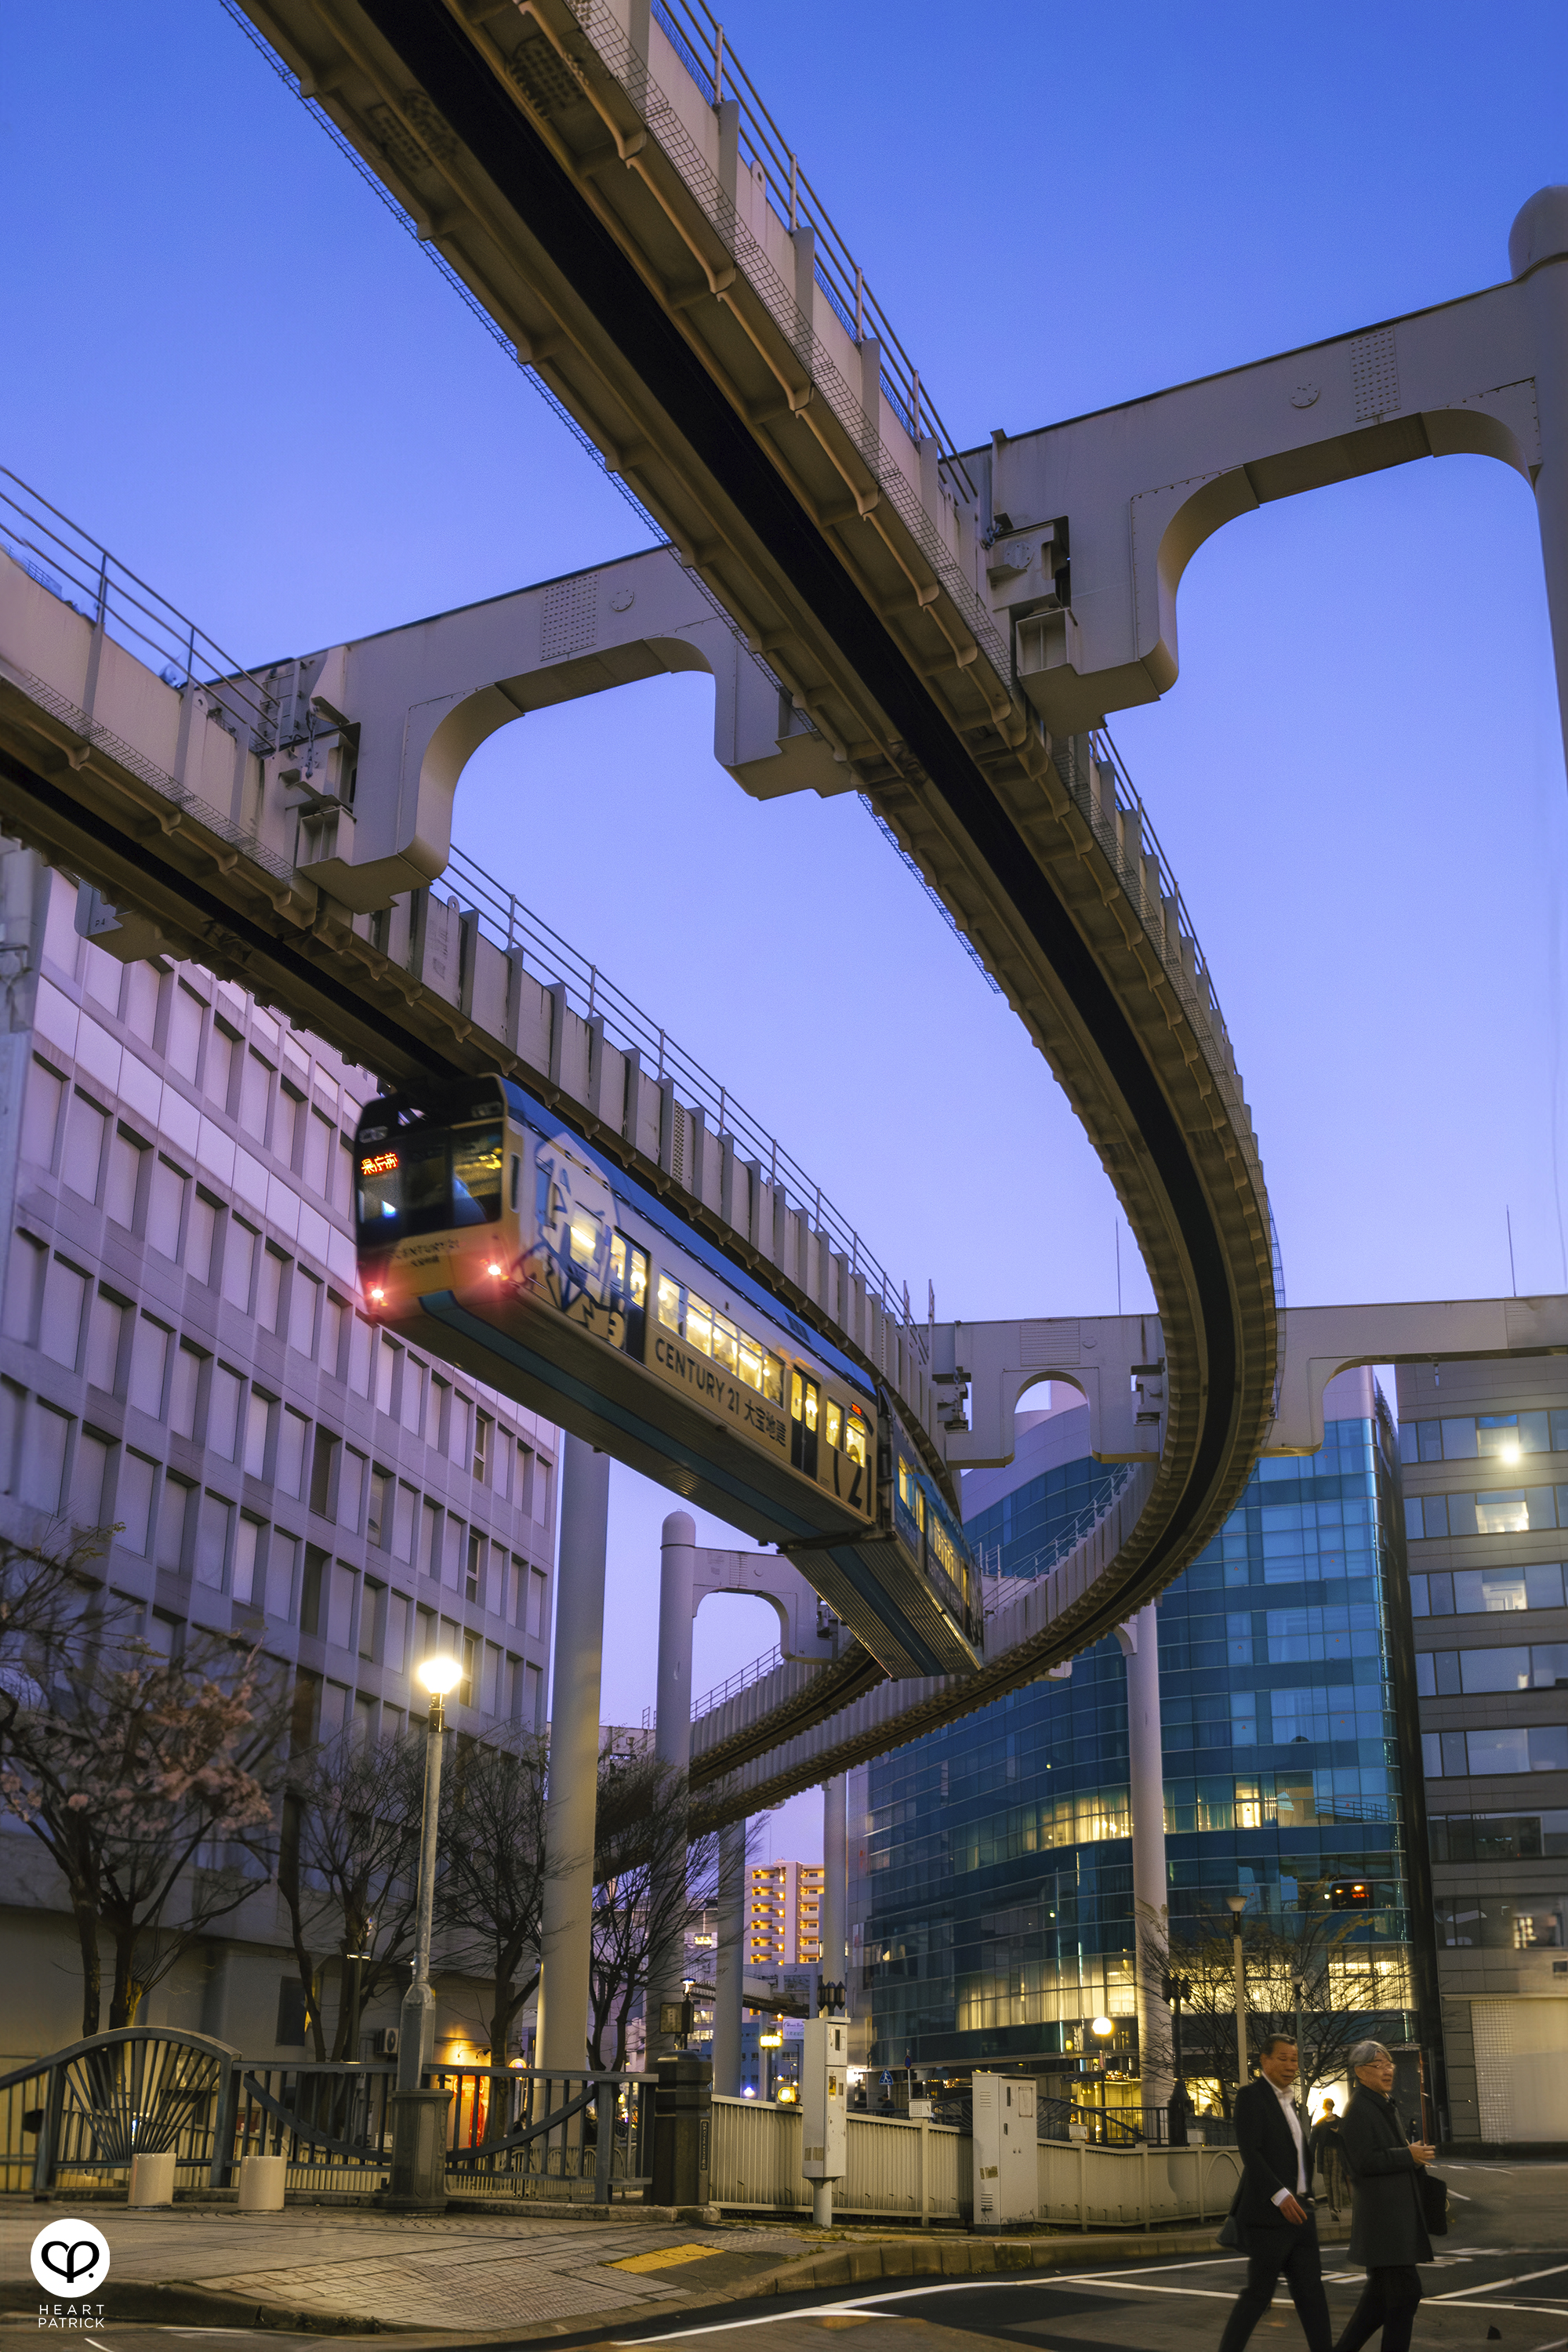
[565, 165]
[778, 1739]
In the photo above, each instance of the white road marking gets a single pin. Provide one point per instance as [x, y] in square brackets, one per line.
[1522, 2278]
[1115, 2281]
[1541, 2310]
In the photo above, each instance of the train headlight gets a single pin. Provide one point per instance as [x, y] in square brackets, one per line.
[377, 1297]
[494, 1269]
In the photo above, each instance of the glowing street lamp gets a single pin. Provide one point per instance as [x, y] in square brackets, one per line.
[417, 2040]
[1102, 2029]
[1236, 1904]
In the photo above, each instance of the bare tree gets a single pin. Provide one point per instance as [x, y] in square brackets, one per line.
[348, 1868]
[134, 1771]
[1317, 1965]
[1309, 1965]
[651, 1882]
[494, 1869]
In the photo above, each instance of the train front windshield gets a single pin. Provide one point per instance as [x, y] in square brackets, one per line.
[427, 1179]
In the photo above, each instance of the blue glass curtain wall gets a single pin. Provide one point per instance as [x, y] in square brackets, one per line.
[997, 1888]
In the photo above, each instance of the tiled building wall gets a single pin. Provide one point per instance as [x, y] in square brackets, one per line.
[783, 1914]
[182, 1352]
[1485, 1449]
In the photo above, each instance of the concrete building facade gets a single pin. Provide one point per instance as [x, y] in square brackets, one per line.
[1485, 1461]
[183, 1359]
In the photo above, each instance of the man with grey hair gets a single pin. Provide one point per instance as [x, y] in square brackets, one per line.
[1389, 2225]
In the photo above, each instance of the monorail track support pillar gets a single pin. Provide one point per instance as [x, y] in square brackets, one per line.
[672, 1747]
[1140, 1639]
[835, 1881]
[731, 1961]
[566, 1939]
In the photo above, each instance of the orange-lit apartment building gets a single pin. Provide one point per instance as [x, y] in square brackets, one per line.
[783, 1914]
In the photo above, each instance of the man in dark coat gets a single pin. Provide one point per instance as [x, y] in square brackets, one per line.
[1326, 2155]
[1273, 2205]
[1388, 2227]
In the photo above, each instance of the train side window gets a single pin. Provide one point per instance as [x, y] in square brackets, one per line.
[772, 1379]
[725, 1350]
[628, 1270]
[516, 1172]
[668, 1303]
[906, 1485]
[803, 1415]
[628, 1289]
[698, 1324]
[835, 1424]
[855, 1436]
[751, 1362]
[586, 1231]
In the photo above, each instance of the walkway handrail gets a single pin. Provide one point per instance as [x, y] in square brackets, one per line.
[699, 41]
[71, 564]
[513, 928]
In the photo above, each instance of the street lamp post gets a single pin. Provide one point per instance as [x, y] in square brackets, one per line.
[1237, 1905]
[418, 2115]
[1176, 1991]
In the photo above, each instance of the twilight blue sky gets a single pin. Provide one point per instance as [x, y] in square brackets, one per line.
[226, 359]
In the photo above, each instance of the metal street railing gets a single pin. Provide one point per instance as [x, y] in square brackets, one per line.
[77, 2118]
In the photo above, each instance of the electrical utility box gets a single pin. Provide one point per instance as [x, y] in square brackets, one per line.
[824, 2097]
[1006, 2165]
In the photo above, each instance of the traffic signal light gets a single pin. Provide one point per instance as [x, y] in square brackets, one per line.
[1178, 1989]
[1349, 1894]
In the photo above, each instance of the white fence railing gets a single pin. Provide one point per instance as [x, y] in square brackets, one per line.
[900, 2170]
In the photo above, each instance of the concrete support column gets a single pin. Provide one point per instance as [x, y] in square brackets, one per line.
[566, 1939]
[1140, 1642]
[672, 1746]
[731, 1967]
[836, 1881]
[672, 1695]
[1538, 254]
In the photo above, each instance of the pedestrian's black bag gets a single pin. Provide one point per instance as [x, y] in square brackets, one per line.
[1229, 2235]
[1433, 2204]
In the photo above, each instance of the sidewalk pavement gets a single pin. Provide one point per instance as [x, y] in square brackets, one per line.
[323, 2271]
[365, 2271]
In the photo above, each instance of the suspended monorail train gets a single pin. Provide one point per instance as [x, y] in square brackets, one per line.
[502, 1241]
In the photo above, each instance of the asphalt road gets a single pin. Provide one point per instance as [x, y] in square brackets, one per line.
[1501, 2278]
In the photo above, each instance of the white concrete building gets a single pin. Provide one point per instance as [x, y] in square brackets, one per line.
[181, 1356]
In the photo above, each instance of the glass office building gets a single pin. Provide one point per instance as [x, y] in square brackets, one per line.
[992, 1898]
